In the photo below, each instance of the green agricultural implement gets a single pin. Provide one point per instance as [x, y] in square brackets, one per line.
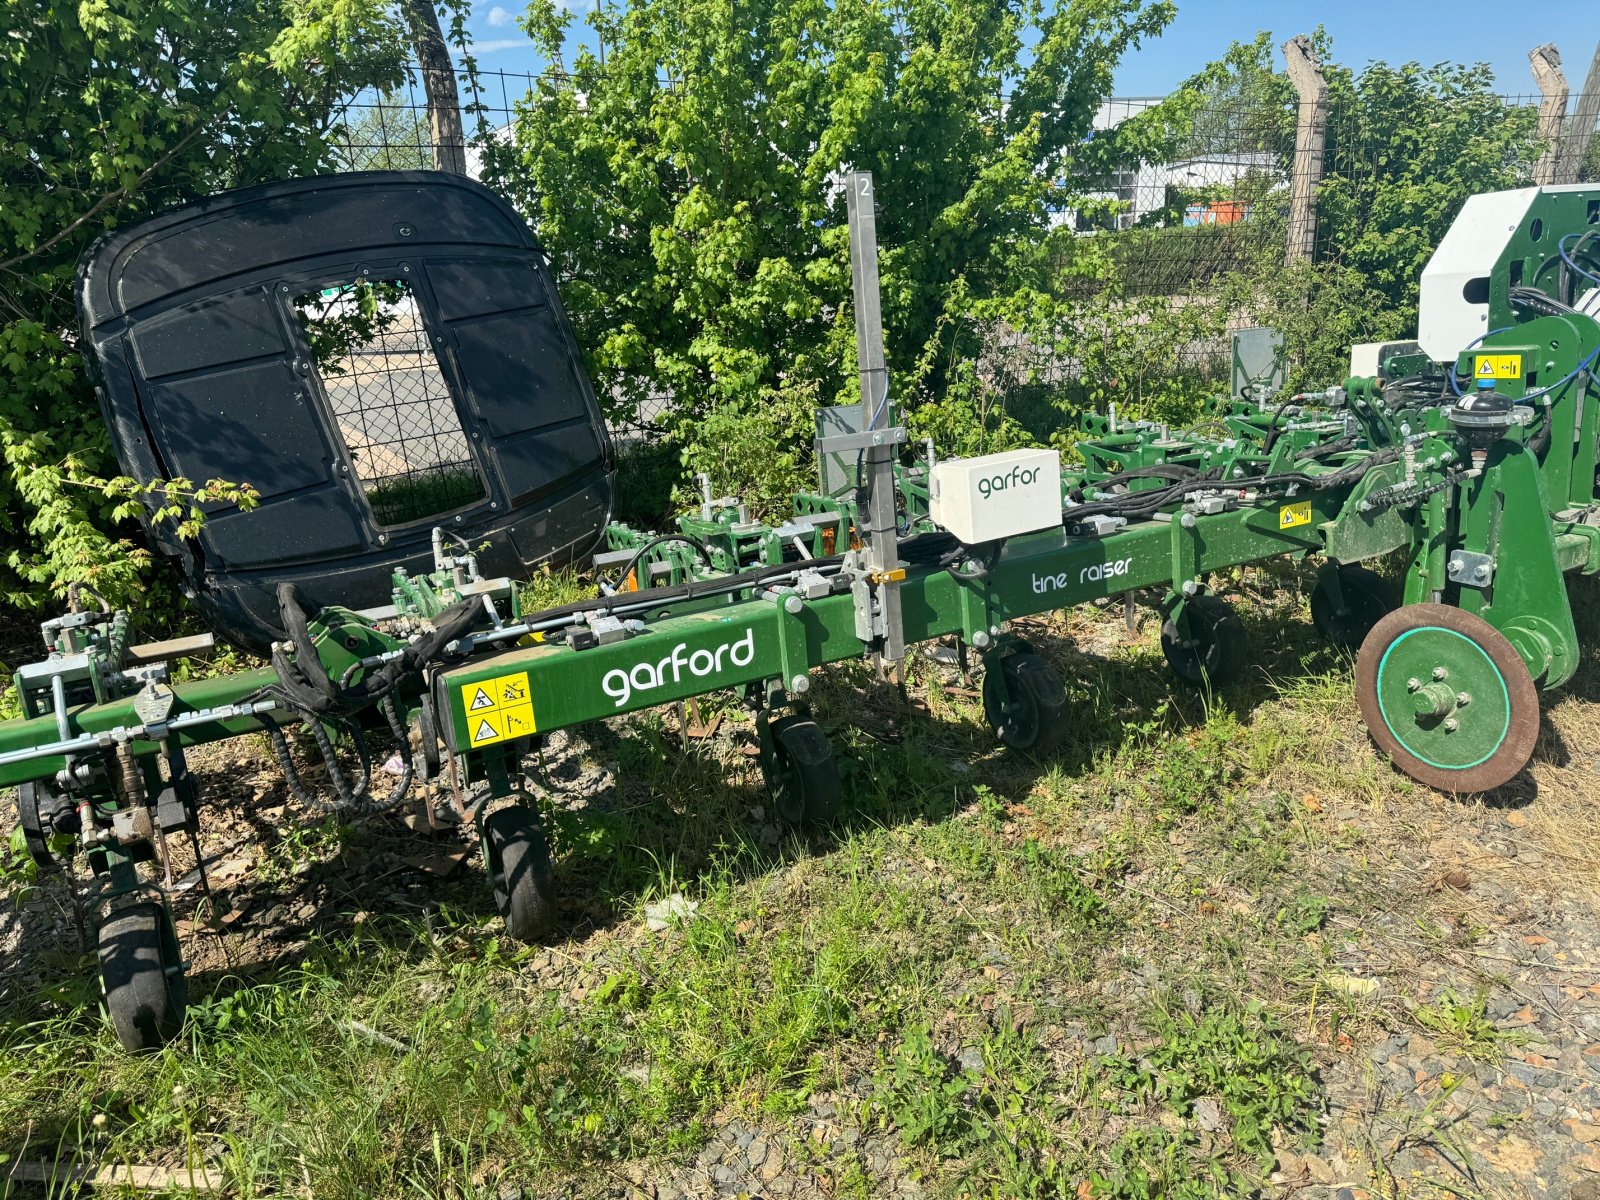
[1466, 458]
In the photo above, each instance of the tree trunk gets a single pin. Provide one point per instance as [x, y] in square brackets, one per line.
[1546, 63]
[439, 82]
[1311, 131]
[1576, 142]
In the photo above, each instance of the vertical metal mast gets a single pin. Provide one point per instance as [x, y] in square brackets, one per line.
[875, 496]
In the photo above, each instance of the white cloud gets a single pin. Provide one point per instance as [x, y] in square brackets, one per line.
[499, 16]
[495, 45]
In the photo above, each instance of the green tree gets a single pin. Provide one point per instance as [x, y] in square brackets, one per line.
[689, 191]
[109, 110]
[1406, 146]
[386, 132]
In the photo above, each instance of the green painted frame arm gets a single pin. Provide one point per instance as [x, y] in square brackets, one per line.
[540, 688]
[220, 692]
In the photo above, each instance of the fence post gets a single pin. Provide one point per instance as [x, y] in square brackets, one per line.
[1311, 131]
[1575, 143]
[439, 82]
[1546, 63]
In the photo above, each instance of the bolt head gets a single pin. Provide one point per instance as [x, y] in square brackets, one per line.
[1440, 673]
[1456, 564]
[1413, 684]
[1481, 571]
[1463, 699]
[1451, 724]
[981, 639]
[800, 684]
[1190, 587]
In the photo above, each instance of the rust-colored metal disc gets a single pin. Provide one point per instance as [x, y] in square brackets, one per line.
[1447, 698]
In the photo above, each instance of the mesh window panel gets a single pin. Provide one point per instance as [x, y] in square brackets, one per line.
[389, 399]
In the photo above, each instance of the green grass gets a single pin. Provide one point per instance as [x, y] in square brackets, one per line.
[943, 963]
[398, 500]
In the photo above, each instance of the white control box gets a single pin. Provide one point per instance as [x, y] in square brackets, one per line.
[996, 496]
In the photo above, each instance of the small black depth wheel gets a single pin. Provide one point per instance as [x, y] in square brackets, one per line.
[517, 857]
[1025, 703]
[1367, 598]
[142, 972]
[1214, 652]
[803, 774]
[41, 814]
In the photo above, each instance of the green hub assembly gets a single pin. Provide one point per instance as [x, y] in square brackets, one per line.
[1448, 697]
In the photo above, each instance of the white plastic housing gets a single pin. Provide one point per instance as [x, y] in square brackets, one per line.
[1447, 320]
[996, 496]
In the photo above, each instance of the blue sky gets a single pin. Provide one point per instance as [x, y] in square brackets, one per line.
[1396, 30]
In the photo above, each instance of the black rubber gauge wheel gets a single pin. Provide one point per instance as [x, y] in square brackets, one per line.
[1215, 650]
[1025, 703]
[803, 774]
[1367, 598]
[516, 855]
[141, 970]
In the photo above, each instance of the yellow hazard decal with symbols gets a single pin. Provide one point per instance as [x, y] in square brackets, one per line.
[1498, 366]
[1291, 516]
[498, 709]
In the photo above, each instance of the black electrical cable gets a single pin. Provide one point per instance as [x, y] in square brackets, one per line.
[700, 548]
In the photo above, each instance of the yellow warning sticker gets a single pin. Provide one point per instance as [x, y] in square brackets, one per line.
[1498, 366]
[498, 709]
[1292, 516]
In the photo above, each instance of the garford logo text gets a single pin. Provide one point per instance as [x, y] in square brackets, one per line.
[621, 685]
[1017, 477]
[1093, 573]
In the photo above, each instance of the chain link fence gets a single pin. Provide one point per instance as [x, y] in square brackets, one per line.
[1184, 245]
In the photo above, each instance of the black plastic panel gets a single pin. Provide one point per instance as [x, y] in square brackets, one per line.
[206, 373]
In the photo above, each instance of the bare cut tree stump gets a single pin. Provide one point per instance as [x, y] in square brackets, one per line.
[1546, 63]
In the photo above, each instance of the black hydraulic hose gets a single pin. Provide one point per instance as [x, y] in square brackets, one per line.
[647, 598]
[403, 787]
[280, 750]
[698, 546]
[308, 681]
[1270, 439]
[341, 785]
[1540, 442]
[1142, 504]
[1177, 472]
[363, 788]
[1536, 301]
